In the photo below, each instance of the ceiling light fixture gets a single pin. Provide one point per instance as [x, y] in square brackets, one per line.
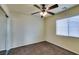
[43, 13]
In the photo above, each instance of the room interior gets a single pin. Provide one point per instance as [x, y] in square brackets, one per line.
[25, 33]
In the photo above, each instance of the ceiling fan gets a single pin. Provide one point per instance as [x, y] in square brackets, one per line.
[45, 10]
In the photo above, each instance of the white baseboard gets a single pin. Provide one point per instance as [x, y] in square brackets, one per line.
[63, 47]
[27, 44]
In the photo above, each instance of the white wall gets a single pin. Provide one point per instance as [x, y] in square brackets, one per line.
[26, 29]
[69, 43]
[22, 29]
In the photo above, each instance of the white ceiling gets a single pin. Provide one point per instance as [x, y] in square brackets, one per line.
[29, 8]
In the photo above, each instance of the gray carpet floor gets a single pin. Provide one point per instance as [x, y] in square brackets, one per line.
[42, 48]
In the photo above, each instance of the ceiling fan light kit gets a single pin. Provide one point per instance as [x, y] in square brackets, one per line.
[43, 13]
[45, 10]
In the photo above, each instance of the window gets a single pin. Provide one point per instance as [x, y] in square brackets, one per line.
[68, 26]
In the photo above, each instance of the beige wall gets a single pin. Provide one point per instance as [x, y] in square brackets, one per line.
[26, 29]
[5, 8]
[69, 43]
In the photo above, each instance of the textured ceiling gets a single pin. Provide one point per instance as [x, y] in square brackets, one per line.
[29, 8]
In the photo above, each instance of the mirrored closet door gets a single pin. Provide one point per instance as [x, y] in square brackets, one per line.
[3, 32]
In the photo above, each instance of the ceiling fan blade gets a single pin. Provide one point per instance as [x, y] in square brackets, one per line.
[52, 7]
[36, 6]
[51, 13]
[35, 13]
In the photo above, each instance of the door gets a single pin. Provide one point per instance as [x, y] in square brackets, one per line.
[3, 32]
